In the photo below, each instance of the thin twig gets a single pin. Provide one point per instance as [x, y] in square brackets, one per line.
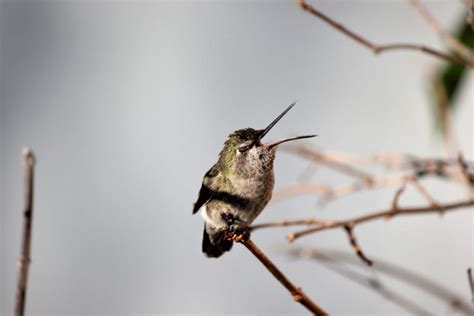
[344, 261]
[390, 159]
[328, 192]
[424, 192]
[296, 292]
[445, 36]
[24, 261]
[349, 228]
[416, 168]
[379, 215]
[309, 221]
[301, 188]
[471, 283]
[332, 163]
[470, 14]
[397, 195]
[468, 176]
[377, 49]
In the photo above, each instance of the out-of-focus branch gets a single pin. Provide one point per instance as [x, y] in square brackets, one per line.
[296, 292]
[445, 36]
[321, 158]
[455, 170]
[415, 169]
[24, 261]
[470, 14]
[471, 283]
[378, 49]
[468, 175]
[397, 195]
[342, 263]
[349, 228]
[424, 192]
[284, 223]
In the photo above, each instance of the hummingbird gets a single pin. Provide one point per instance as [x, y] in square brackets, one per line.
[238, 187]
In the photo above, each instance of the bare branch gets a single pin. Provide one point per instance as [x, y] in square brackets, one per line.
[424, 192]
[319, 157]
[468, 176]
[301, 188]
[296, 292]
[445, 36]
[390, 159]
[397, 195]
[341, 261]
[415, 168]
[378, 49]
[24, 261]
[471, 282]
[382, 214]
[349, 228]
[309, 221]
[470, 14]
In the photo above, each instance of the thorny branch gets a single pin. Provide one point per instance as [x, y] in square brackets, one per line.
[378, 49]
[296, 292]
[24, 261]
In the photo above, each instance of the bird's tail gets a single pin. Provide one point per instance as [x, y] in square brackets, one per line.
[213, 242]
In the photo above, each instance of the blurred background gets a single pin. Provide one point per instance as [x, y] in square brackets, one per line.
[127, 104]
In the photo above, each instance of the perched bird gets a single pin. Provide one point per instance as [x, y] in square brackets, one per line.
[238, 187]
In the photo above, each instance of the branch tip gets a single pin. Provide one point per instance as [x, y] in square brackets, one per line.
[376, 48]
[349, 228]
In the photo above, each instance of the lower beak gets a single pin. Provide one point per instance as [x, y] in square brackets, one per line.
[290, 139]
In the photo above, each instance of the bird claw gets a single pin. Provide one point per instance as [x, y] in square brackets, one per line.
[238, 234]
[235, 232]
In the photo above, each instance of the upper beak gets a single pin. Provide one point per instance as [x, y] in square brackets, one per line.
[270, 126]
[273, 123]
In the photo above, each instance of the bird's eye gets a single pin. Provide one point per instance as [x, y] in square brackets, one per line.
[245, 148]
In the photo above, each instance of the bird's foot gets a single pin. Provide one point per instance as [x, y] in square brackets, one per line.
[238, 234]
[235, 232]
[241, 235]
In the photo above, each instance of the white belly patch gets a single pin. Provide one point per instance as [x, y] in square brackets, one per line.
[204, 215]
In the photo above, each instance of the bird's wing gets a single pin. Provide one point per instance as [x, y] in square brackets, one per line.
[205, 193]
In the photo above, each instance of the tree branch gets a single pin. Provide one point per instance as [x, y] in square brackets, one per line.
[344, 264]
[378, 49]
[322, 158]
[445, 36]
[397, 195]
[455, 170]
[349, 228]
[471, 283]
[297, 293]
[284, 223]
[24, 261]
[380, 215]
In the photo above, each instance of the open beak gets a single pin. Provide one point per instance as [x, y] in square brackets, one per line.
[290, 139]
[273, 123]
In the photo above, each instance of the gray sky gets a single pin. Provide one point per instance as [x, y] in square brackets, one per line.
[127, 104]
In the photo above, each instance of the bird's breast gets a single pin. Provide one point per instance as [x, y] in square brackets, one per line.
[256, 187]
